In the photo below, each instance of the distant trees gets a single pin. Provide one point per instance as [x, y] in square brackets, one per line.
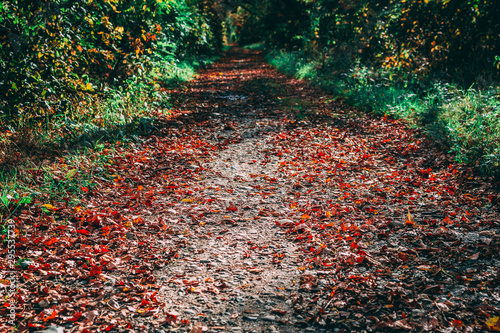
[457, 38]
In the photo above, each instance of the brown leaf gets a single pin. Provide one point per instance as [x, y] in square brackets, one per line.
[429, 323]
[402, 325]
[197, 328]
[475, 256]
[171, 317]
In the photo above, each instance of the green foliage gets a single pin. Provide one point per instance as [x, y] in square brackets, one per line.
[392, 58]
[11, 197]
[282, 22]
[54, 54]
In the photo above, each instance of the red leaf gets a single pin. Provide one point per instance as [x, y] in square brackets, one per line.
[457, 323]
[76, 316]
[83, 232]
[52, 316]
[95, 270]
[36, 325]
[231, 208]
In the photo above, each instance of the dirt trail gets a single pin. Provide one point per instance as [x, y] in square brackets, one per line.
[245, 251]
[266, 206]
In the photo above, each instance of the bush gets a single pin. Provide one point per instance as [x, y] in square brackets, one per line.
[56, 53]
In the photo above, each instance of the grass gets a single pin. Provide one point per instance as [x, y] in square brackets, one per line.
[466, 121]
[59, 182]
[256, 46]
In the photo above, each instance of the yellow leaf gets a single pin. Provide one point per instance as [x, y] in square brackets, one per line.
[5, 282]
[328, 214]
[116, 10]
[187, 200]
[71, 173]
[493, 324]
[49, 206]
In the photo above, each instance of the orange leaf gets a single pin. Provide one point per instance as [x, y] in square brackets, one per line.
[79, 48]
[51, 241]
[409, 219]
[106, 230]
[52, 316]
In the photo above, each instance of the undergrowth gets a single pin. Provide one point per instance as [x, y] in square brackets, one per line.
[467, 121]
[59, 182]
[53, 159]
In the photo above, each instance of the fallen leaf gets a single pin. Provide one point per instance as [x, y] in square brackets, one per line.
[493, 323]
[409, 219]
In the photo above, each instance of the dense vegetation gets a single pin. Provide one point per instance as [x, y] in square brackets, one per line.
[435, 62]
[68, 68]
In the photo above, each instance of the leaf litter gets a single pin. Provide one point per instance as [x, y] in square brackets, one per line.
[245, 212]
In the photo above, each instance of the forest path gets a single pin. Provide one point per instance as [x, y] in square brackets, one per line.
[324, 199]
[264, 205]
